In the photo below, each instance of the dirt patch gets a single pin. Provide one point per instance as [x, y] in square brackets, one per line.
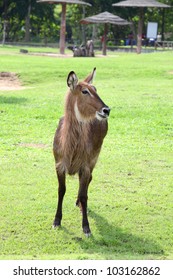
[10, 81]
[52, 55]
[33, 145]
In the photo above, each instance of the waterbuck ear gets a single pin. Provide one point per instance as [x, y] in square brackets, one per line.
[90, 77]
[72, 80]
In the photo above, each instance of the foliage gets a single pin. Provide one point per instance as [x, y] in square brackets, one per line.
[130, 197]
[43, 21]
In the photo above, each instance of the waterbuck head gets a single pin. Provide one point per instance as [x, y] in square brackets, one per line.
[87, 103]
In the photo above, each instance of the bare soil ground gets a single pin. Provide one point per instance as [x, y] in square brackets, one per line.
[9, 81]
[33, 145]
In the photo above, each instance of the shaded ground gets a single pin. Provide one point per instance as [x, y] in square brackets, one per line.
[9, 81]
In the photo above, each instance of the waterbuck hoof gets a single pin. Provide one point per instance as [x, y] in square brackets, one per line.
[88, 234]
[56, 224]
[87, 231]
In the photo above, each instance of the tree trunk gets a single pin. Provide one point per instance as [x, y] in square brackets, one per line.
[5, 22]
[139, 35]
[63, 29]
[4, 32]
[105, 39]
[163, 24]
[83, 28]
[27, 23]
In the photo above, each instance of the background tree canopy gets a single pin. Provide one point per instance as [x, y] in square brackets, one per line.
[30, 21]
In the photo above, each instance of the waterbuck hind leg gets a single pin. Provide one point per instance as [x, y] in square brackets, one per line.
[78, 203]
[84, 180]
[61, 193]
[85, 223]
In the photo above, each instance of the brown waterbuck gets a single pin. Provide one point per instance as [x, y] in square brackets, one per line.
[78, 140]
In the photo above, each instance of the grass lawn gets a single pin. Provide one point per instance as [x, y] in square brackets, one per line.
[131, 195]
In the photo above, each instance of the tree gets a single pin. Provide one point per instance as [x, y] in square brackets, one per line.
[23, 19]
[5, 7]
[28, 20]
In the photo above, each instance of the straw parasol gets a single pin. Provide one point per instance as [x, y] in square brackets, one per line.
[63, 17]
[141, 4]
[104, 18]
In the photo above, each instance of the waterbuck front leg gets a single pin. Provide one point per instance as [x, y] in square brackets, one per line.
[61, 193]
[85, 178]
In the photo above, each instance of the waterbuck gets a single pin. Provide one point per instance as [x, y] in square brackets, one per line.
[78, 140]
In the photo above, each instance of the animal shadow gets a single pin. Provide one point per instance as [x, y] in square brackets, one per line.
[12, 100]
[114, 240]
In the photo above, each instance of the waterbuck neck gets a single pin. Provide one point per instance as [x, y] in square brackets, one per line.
[73, 131]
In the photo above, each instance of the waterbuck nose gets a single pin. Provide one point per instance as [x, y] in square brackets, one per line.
[106, 111]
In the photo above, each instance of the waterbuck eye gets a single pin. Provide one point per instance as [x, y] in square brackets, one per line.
[85, 91]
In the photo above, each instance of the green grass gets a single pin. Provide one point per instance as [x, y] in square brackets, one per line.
[131, 195]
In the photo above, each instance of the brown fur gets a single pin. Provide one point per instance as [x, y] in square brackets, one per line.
[78, 140]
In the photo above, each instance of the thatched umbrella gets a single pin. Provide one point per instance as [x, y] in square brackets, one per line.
[63, 17]
[141, 4]
[105, 18]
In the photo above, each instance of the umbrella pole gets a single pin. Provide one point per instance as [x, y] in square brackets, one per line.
[105, 38]
[139, 35]
[63, 29]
